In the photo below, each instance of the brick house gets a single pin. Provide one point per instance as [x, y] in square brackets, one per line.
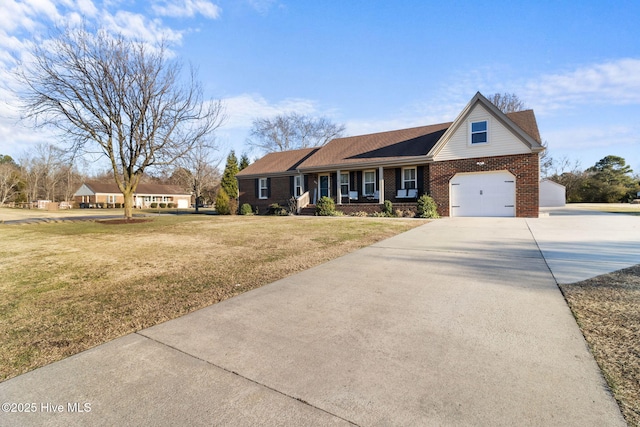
[484, 163]
[96, 194]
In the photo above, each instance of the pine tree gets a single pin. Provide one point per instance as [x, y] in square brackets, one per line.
[229, 182]
[244, 161]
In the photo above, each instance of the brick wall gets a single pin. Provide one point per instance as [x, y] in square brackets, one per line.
[280, 193]
[523, 166]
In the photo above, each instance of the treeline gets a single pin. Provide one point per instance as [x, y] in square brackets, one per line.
[610, 180]
[48, 173]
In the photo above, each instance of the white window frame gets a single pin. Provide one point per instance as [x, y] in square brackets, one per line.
[111, 198]
[365, 182]
[342, 184]
[472, 133]
[414, 179]
[297, 185]
[263, 184]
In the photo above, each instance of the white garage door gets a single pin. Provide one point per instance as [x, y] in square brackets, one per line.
[483, 194]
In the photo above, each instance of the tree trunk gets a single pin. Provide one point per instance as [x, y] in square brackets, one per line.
[128, 204]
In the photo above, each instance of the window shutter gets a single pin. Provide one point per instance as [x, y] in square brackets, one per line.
[334, 184]
[353, 185]
[420, 179]
[398, 178]
[257, 188]
[268, 187]
[306, 183]
[292, 186]
[359, 178]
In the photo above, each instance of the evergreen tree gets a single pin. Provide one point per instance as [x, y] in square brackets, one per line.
[244, 161]
[223, 203]
[229, 182]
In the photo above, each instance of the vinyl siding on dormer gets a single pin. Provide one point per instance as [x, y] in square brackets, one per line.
[502, 141]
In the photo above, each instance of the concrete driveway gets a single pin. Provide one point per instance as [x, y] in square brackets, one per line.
[458, 322]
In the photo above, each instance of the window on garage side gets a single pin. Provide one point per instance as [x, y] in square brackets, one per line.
[263, 188]
[409, 178]
[480, 132]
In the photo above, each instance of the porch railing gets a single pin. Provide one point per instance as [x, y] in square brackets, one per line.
[302, 201]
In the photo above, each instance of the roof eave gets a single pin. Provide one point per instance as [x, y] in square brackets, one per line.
[359, 166]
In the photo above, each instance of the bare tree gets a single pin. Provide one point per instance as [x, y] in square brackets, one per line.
[201, 171]
[9, 180]
[126, 98]
[507, 102]
[292, 131]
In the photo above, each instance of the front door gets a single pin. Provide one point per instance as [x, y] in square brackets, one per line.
[324, 186]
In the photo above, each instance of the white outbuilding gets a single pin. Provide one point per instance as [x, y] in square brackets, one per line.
[552, 194]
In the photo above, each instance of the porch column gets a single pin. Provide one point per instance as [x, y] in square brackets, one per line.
[338, 193]
[381, 185]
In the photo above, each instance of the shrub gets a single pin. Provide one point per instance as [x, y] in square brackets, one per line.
[359, 214]
[246, 209]
[118, 205]
[154, 205]
[223, 206]
[163, 205]
[104, 206]
[405, 214]
[325, 206]
[171, 205]
[427, 207]
[387, 208]
[276, 209]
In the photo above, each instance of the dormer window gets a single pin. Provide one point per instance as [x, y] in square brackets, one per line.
[479, 132]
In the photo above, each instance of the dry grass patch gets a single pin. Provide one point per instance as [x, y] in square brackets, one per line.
[607, 309]
[66, 287]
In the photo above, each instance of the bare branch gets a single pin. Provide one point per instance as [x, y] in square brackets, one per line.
[125, 97]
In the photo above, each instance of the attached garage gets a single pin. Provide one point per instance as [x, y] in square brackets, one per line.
[483, 194]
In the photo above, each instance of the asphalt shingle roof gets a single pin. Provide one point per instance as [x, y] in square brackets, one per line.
[278, 162]
[376, 147]
[143, 188]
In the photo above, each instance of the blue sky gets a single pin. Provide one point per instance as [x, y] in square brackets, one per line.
[376, 65]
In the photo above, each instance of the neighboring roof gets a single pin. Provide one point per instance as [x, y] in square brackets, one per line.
[143, 188]
[282, 162]
[377, 147]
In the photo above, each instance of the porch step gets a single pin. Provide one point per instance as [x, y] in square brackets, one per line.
[309, 210]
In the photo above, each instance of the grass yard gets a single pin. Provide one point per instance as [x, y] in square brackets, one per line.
[66, 287]
[619, 208]
[607, 309]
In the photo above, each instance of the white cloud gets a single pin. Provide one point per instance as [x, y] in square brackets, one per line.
[592, 137]
[243, 109]
[137, 26]
[613, 83]
[262, 6]
[187, 8]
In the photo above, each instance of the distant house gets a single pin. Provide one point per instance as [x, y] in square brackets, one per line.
[95, 194]
[484, 163]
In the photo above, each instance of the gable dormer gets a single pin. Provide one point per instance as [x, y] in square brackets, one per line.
[482, 130]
